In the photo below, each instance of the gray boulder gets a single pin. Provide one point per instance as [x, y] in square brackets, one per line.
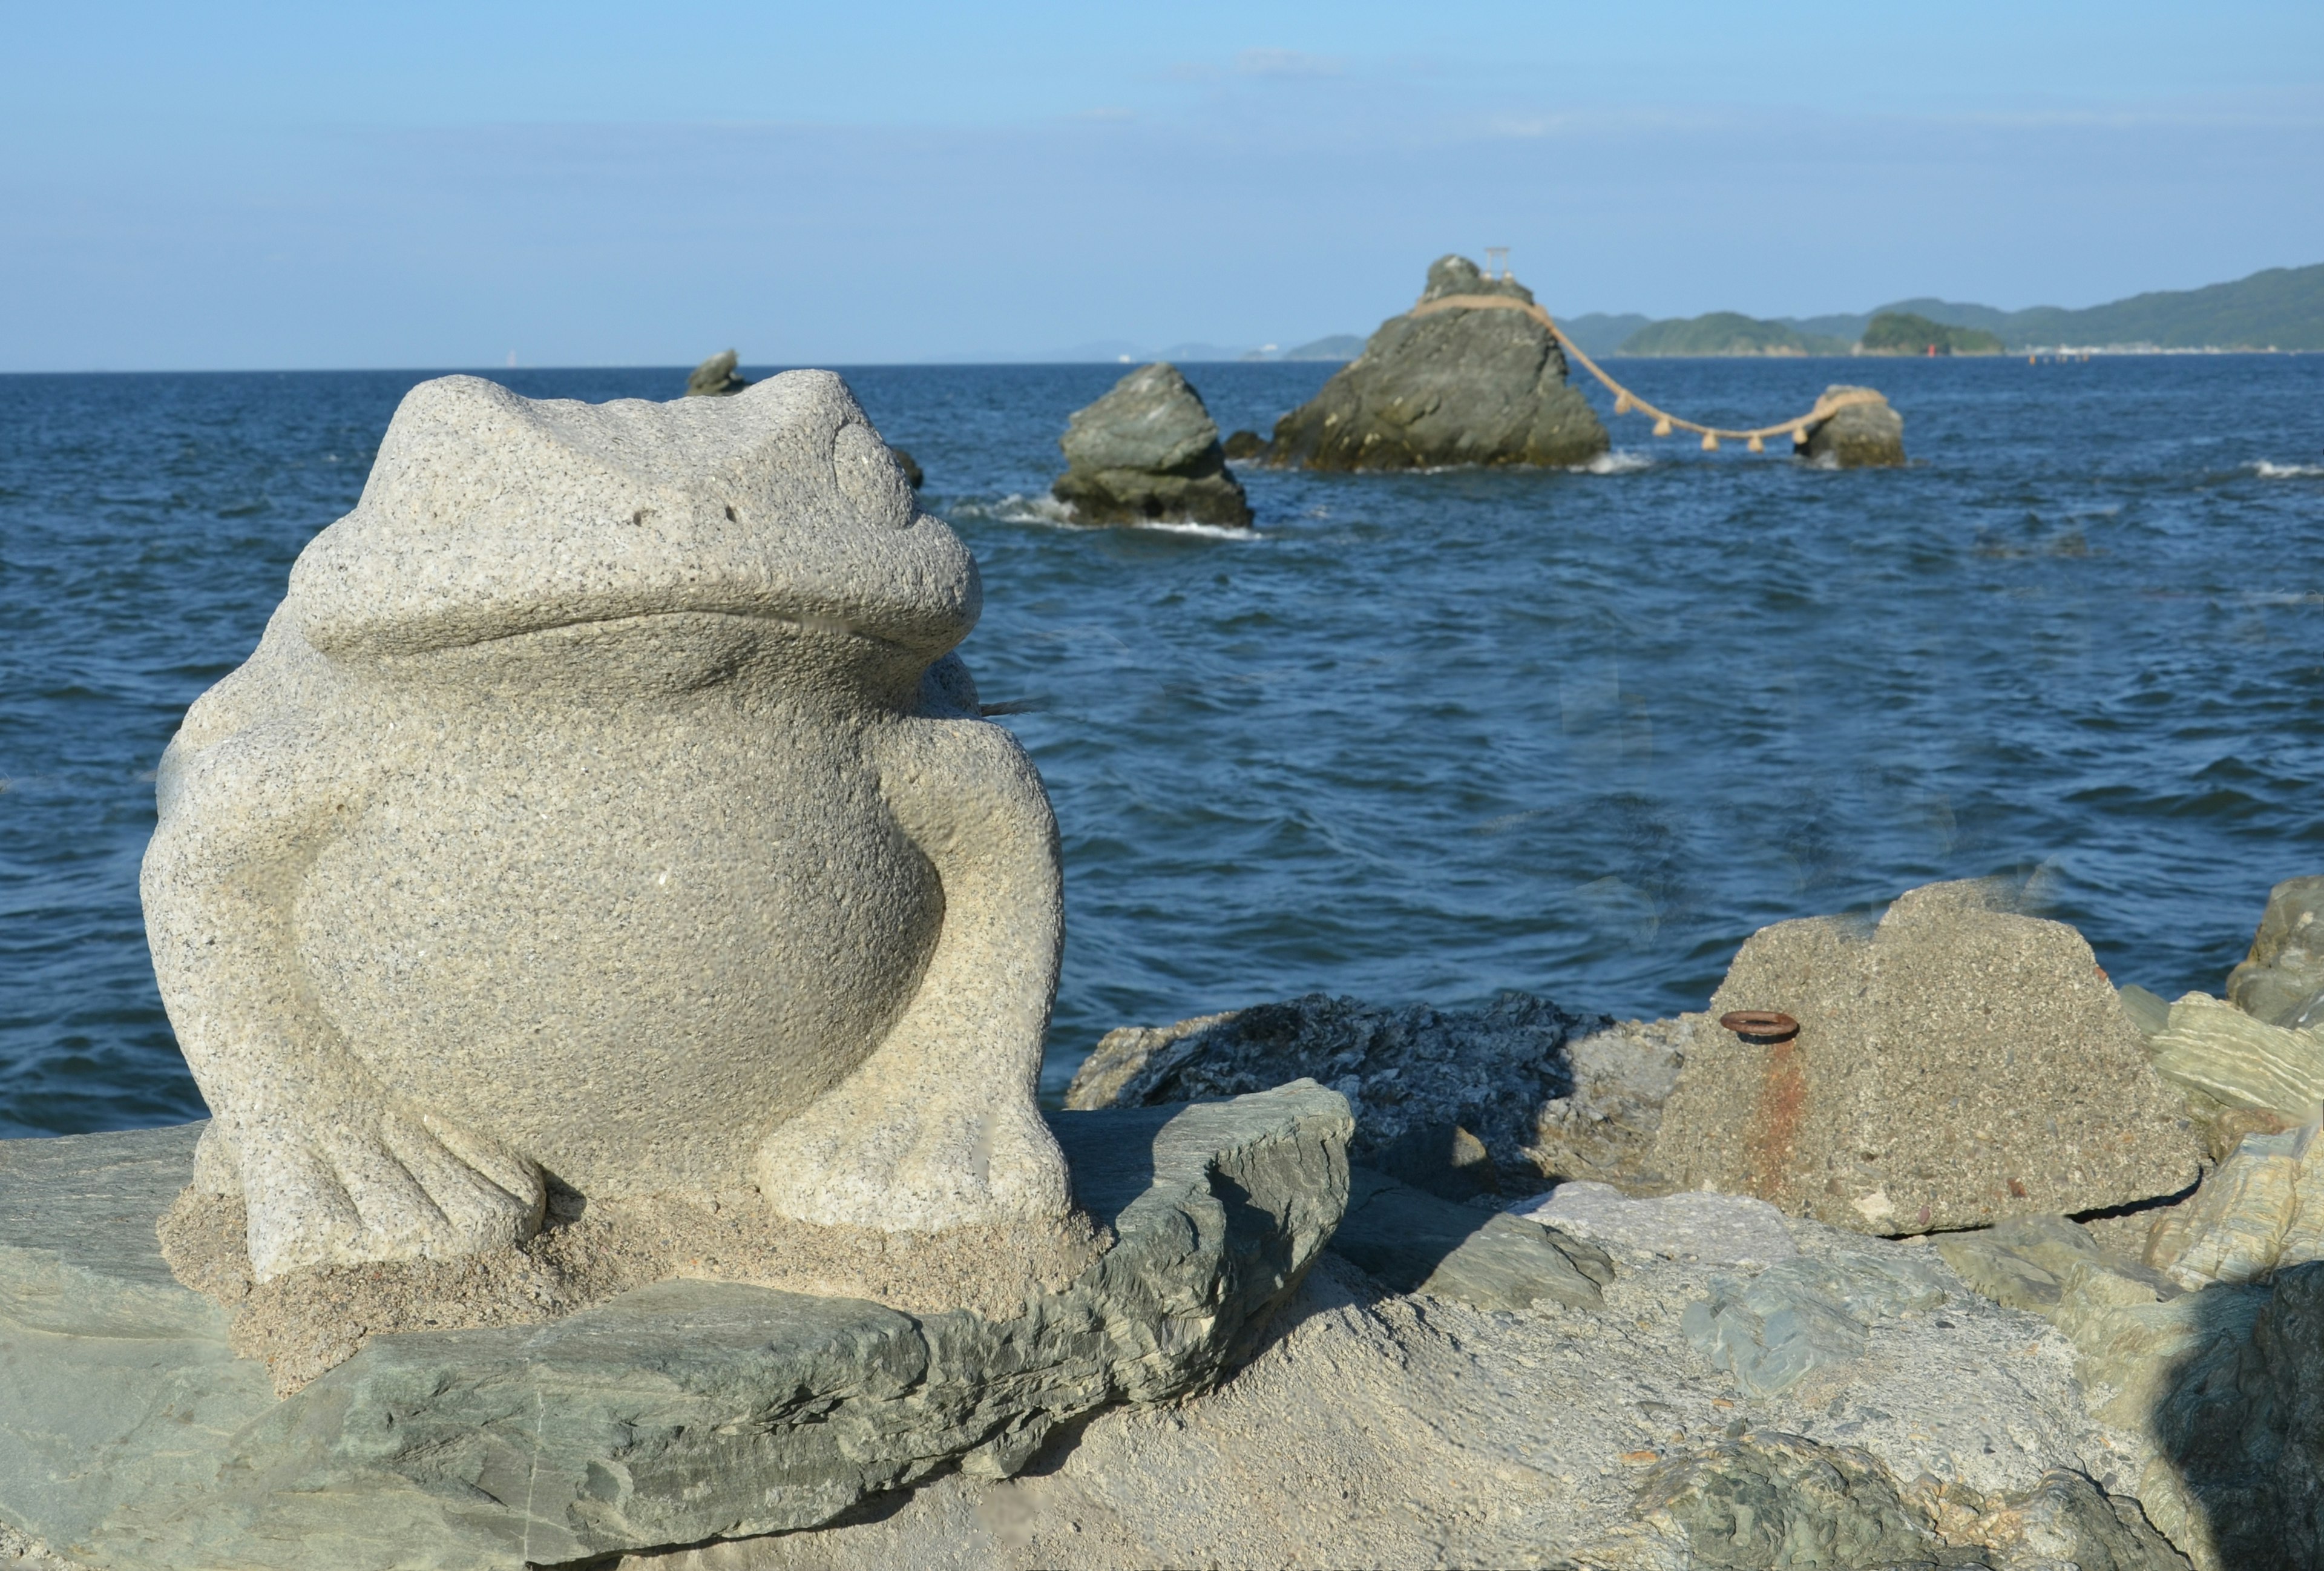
[1957, 1062]
[716, 377]
[1413, 1241]
[1460, 385]
[1416, 1076]
[1147, 452]
[1859, 435]
[2282, 980]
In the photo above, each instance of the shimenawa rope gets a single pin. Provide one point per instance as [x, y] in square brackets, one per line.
[1628, 403]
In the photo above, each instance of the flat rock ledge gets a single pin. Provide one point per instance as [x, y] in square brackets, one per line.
[680, 1413]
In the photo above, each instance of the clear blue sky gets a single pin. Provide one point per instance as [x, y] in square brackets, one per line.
[425, 184]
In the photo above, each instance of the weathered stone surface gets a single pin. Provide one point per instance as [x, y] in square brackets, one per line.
[1603, 1128]
[2029, 1263]
[685, 1411]
[1697, 1227]
[2238, 1061]
[1416, 1243]
[1775, 1500]
[1956, 1064]
[1242, 444]
[1488, 1071]
[1388, 1430]
[1148, 452]
[2262, 1208]
[1865, 435]
[716, 377]
[1804, 1315]
[1462, 385]
[2282, 980]
[603, 802]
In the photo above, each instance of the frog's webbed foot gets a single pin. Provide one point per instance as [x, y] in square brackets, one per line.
[938, 1128]
[385, 1183]
[912, 1159]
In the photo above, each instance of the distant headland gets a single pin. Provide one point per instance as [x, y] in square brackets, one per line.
[2278, 308]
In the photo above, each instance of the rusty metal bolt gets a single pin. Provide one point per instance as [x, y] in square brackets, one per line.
[1760, 1025]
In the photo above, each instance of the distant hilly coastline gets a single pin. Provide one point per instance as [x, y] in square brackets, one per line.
[2282, 308]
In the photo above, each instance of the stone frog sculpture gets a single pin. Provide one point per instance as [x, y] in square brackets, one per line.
[603, 802]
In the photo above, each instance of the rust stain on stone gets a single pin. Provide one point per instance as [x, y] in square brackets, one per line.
[1775, 1123]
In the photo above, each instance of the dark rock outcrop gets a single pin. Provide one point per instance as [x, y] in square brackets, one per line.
[1417, 1077]
[1245, 445]
[1457, 385]
[1147, 452]
[910, 467]
[1857, 436]
[716, 377]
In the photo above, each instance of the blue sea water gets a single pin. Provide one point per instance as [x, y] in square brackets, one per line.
[1418, 737]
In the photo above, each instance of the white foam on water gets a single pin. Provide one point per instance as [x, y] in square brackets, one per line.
[2267, 471]
[1618, 461]
[1050, 513]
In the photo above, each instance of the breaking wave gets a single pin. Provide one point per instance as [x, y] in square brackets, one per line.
[1049, 513]
[2267, 471]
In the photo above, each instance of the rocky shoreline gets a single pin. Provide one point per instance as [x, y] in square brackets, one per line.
[2098, 1342]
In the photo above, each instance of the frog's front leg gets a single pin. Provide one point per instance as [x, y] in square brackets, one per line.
[938, 1128]
[332, 1168]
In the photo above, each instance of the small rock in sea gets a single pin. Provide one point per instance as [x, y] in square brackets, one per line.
[2282, 980]
[1956, 1063]
[1857, 436]
[1245, 445]
[1481, 384]
[1148, 452]
[909, 465]
[716, 377]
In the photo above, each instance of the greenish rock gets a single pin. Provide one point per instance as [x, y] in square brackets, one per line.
[2070, 1521]
[1148, 452]
[2026, 1262]
[680, 1412]
[716, 377]
[1242, 444]
[1858, 436]
[2240, 1060]
[1456, 385]
[1768, 1499]
[2282, 980]
[1413, 1241]
[1807, 1315]
[2149, 1011]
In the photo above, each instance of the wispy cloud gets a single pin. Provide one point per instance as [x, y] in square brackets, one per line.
[1288, 62]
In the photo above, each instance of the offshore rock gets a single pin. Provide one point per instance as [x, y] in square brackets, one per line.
[2282, 980]
[1458, 385]
[913, 475]
[1148, 452]
[1242, 444]
[131, 1438]
[1866, 435]
[716, 377]
[1407, 1072]
[1956, 1064]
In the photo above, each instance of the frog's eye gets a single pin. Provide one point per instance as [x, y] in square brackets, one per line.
[869, 477]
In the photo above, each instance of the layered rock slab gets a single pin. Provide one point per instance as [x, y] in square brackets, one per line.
[1956, 1063]
[1148, 452]
[1448, 383]
[683, 1411]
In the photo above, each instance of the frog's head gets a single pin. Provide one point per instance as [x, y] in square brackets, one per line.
[488, 516]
